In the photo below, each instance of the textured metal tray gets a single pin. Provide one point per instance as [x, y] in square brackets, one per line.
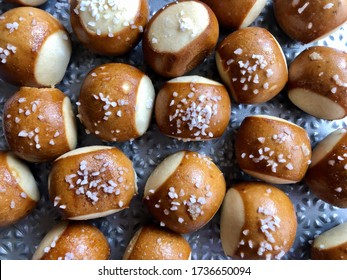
[19, 241]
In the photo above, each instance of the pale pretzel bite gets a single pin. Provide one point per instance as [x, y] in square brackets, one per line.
[272, 149]
[258, 221]
[92, 182]
[19, 193]
[39, 124]
[179, 37]
[193, 108]
[116, 102]
[252, 65]
[318, 82]
[309, 21]
[35, 49]
[326, 176]
[236, 14]
[73, 241]
[27, 2]
[185, 191]
[109, 27]
[331, 245]
[152, 242]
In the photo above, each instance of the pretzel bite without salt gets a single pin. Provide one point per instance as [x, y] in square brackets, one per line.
[193, 108]
[152, 242]
[236, 14]
[27, 2]
[34, 48]
[318, 82]
[252, 65]
[258, 221]
[179, 37]
[39, 124]
[185, 191]
[309, 21]
[272, 149]
[18, 189]
[116, 102]
[331, 245]
[109, 27]
[92, 182]
[326, 176]
[73, 241]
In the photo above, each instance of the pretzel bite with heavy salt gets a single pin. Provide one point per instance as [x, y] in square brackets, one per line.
[309, 21]
[19, 193]
[116, 102]
[272, 149]
[33, 3]
[179, 37]
[92, 182]
[252, 65]
[73, 241]
[109, 27]
[326, 176]
[193, 108]
[152, 242]
[258, 221]
[331, 245]
[236, 14]
[185, 191]
[39, 124]
[35, 48]
[318, 82]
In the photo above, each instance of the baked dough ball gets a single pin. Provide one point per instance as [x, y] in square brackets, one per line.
[252, 65]
[318, 82]
[179, 37]
[235, 14]
[116, 102]
[331, 245]
[27, 2]
[185, 191]
[35, 49]
[272, 149]
[109, 27]
[18, 189]
[193, 108]
[92, 182]
[309, 21]
[258, 221]
[327, 175]
[73, 241]
[39, 124]
[151, 242]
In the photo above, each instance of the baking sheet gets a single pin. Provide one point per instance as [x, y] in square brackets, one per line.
[20, 240]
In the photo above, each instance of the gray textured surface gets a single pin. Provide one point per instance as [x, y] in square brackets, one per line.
[314, 216]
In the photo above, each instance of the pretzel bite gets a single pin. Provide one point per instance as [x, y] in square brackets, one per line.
[318, 82]
[109, 27]
[92, 182]
[331, 245]
[27, 2]
[151, 242]
[39, 124]
[73, 241]
[185, 191]
[258, 221]
[309, 21]
[272, 149]
[35, 49]
[252, 65]
[179, 37]
[236, 14]
[19, 193]
[116, 102]
[327, 175]
[193, 108]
